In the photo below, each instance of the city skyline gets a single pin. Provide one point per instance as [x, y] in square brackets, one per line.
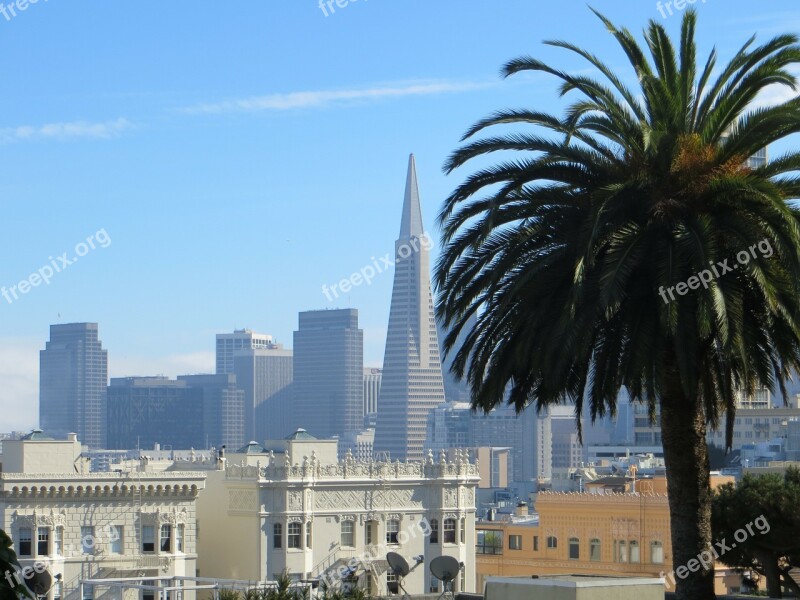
[164, 152]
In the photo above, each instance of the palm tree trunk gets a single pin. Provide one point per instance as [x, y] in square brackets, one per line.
[772, 573]
[683, 433]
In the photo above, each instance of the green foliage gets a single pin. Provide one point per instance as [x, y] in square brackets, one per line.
[10, 564]
[775, 499]
[227, 594]
[571, 248]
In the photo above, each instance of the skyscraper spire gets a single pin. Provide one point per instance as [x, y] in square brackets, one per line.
[412, 368]
[411, 224]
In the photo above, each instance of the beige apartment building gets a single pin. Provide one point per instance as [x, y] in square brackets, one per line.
[293, 505]
[599, 532]
[84, 525]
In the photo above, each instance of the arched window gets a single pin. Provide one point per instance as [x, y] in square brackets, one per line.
[277, 535]
[594, 550]
[621, 551]
[657, 553]
[633, 549]
[552, 542]
[434, 537]
[574, 549]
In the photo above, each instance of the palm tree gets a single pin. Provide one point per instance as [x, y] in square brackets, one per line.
[603, 256]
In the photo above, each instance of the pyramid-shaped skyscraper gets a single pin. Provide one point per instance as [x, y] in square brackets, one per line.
[412, 368]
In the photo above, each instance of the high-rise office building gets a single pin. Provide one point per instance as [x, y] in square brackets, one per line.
[144, 411]
[372, 389]
[73, 376]
[266, 376]
[456, 425]
[412, 370]
[329, 373]
[228, 344]
[223, 409]
[192, 411]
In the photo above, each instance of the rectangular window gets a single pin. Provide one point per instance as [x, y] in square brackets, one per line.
[434, 537]
[536, 543]
[180, 530]
[295, 534]
[148, 594]
[87, 539]
[392, 531]
[449, 532]
[115, 539]
[25, 543]
[371, 533]
[88, 591]
[148, 538]
[277, 535]
[391, 582]
[308, 535]
[463, 531]
[43, 541]
[489, 541]
[434, 588]
[57, 590]
[58, 541]
[515, 542]
[166, 538]
[348, 534]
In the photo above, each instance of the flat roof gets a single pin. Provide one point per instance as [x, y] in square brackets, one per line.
[577, 581]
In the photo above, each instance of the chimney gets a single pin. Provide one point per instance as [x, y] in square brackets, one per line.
[522, 509]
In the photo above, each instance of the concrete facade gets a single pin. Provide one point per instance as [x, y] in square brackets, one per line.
[95, 525]
[293, 506]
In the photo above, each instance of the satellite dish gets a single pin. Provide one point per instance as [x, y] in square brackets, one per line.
[399, 566]
[446, 569]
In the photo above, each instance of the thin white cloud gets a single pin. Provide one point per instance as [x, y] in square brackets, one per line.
[324, 98]
[19, 376]
[778, 93]
[61, 131]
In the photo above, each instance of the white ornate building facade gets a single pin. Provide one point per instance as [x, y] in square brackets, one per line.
[293, 506]
[83, 525]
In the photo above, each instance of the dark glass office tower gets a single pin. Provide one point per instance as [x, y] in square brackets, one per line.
[73, 375]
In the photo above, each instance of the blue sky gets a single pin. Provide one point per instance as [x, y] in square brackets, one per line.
[240, 155]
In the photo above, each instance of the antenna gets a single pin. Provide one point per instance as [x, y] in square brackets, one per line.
[446, 569]
[399, 566]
